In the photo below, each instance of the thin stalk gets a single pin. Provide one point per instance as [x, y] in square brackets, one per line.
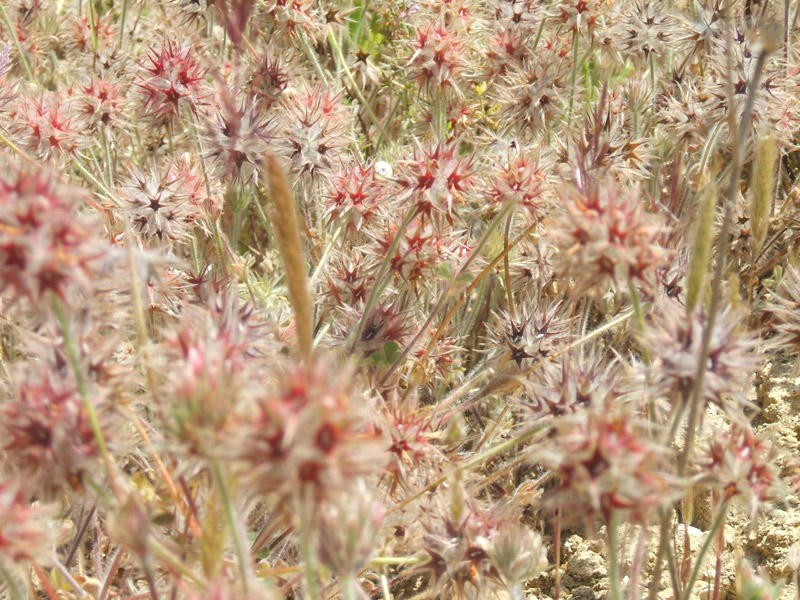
[637, 311]
[361, 20]
[507, 271]
[337, 51]
[557, 550]
[323, 261]
[502, 447]
[354, 337]
[396, 560]
[22, 58]
[122, 24]
[242, 553]
[107, 155]
[574, 75]
[112, 570]
[698, 563]
[452, 288]
[613, 558]
[539, 34]
[79, 536]
[385, 587]
[174, 562]
[11, 585]
[312, 56]
[45, 581]
[309, 558]
[72, 356]
[349, 587]
[88, 174]
[82, 593]
[24, 155]
[722, 244]
[92, 27]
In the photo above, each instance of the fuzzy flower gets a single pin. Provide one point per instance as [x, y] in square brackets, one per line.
[741, 463]
[607, 461]
[519, 181]
[316, 130]
[605, 236]
[644, 27]
[172, 79]
[518, 554]
[531, 335]
[435, 179]
[47, 125]
[45, 432]
[238, 134]
[100, 101]
[357, 195]
[675, 341]
[437, 58]
[349, 279]
[466, 548]
[346, 526]
[210, 366]
[26, 531]
[573, 383]
[528, 96]
[308, 436]
[269, 77]
[44, 244]
[290, 16]
[159, 207]
[419, 251]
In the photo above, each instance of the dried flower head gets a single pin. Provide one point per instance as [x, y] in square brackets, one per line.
[238, 134]
[605, 236]
[47, 124]
[607, 461]
[44, 244]
[172, 79]
[46, 434]
[437, 58]
[316, 130]
[435, 178]
[158, 204]
[310, 434]
[519, 181]
[741, 463]
[358, 195]
[675, 341]
[346, 526]
[26, 532]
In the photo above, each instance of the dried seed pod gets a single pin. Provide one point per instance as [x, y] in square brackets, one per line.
[287, 232]
[762, 188]
[701, 251]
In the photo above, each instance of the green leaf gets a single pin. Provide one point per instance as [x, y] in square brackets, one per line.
[391, 350]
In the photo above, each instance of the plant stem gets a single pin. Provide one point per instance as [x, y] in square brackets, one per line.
[72, 356]
[356, 90]
[451, 290]
[613, 557]
[242, 554]
[695, 401]
[698, 563]
[355, 336]
[22, 58]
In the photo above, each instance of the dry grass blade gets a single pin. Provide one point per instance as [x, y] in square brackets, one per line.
[287, 232]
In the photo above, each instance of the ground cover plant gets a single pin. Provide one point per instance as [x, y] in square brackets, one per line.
[433, 299]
